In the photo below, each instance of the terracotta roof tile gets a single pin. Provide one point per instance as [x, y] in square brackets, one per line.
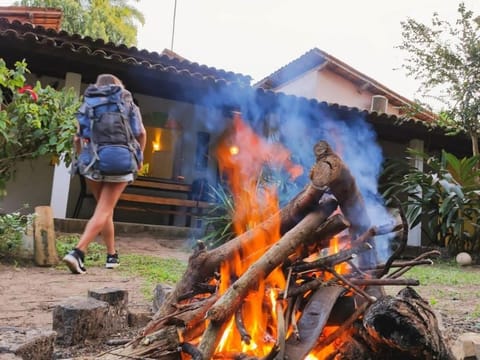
[130, 55]
[50, 18]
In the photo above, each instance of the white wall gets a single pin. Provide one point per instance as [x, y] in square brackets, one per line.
[325, 85]
[31, 185]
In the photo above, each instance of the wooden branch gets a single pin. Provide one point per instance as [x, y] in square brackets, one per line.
[385, 282]
[189, 317]
[352, 286]
[332, 260]
[164, 345]
[330, 171]
[400, 271]
[281, 331]
[241, 326]
[192, 351]
[405, 263]
[401, 247]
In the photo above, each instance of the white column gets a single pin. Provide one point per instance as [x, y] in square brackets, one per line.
[415, 234]
[61, 174]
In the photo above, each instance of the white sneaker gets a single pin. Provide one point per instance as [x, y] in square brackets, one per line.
[112, 261]
[74, 263]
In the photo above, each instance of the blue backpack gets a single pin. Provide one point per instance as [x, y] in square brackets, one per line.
[108, 144]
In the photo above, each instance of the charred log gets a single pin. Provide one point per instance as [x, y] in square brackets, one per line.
[399, 328]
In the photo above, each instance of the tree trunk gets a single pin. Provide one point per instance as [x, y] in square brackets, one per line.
[45, 251]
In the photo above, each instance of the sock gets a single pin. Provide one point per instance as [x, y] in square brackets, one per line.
[80, 253]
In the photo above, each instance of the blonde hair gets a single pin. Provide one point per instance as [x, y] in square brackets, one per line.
[108, 79]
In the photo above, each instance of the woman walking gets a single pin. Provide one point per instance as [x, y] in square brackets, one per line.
[105, 177]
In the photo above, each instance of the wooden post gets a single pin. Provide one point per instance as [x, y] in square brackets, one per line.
[44, 249]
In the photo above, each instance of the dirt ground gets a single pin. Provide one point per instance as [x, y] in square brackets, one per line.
[29, 294]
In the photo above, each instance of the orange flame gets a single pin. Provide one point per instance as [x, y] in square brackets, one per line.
[242, 156]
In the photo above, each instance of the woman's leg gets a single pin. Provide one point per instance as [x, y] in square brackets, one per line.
[108, 230]
[107, 195]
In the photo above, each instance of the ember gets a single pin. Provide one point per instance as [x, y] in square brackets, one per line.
[300, 282]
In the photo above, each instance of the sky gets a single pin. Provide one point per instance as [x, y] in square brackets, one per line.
[257, 37]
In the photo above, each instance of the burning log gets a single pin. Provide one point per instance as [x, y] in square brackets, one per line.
[307, 230]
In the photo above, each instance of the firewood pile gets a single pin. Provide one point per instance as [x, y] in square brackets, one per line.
[316, 292]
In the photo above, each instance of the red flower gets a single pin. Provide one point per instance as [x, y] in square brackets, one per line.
[28, 89]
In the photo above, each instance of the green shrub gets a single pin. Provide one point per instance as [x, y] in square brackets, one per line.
[444, 197]
[34, 121]
[12, 228]
[219, 220]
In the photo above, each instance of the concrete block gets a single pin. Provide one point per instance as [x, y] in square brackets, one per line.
[467, 347]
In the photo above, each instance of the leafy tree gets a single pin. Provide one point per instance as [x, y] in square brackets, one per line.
[111, 20]
[446, 59]
[34, 121]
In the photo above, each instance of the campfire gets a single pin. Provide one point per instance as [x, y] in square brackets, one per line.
[303, 281]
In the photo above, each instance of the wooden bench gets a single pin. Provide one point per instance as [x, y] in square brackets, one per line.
[155, 195]
[169, 205]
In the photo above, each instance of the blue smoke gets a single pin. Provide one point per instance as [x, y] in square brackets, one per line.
[299, 124]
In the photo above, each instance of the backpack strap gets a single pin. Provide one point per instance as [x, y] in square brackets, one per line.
[132, 141]
[90, 111]
[91, 143]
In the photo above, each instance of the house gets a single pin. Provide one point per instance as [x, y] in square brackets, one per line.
[319, 75]
[187, 106]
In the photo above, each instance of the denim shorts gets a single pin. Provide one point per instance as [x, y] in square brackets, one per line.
[96, 176]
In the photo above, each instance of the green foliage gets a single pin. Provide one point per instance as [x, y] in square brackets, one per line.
[445, 58]
[444, 197]
[113, 21]
[152, 270]
[95, 255]
[444, 273]
[219, 220]
[34, 121]
[12, 228]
